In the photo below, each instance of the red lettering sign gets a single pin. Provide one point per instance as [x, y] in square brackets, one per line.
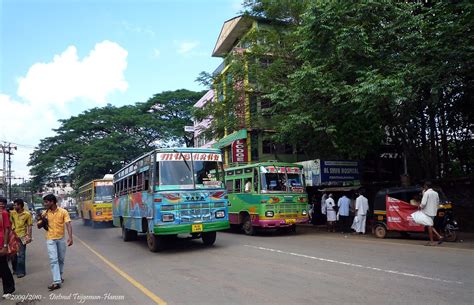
[239, 151]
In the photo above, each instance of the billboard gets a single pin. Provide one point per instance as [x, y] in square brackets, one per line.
[331, 172]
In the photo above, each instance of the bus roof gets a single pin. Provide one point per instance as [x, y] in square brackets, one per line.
[265, 163]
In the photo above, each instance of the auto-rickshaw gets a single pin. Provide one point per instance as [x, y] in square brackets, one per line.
[401, 202]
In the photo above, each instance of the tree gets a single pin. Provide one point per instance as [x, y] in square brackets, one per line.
[101, 140]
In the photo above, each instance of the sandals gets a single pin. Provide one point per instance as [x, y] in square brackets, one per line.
[441, 240]
[430, 244]
[54, 287]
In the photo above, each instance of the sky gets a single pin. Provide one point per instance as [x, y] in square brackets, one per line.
[61, 57]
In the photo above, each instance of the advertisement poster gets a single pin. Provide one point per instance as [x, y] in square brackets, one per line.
[399, 216]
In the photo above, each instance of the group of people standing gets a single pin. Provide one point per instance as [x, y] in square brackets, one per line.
[339, 215]
[20, 221]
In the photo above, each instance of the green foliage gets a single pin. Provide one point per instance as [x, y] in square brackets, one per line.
[100, 140]
[353, 79]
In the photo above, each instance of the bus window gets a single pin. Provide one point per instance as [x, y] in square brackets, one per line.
[208, 174]
[176, 173]
[229, 185]
[248, 185]
[103, 191]
[273, 182]
[238, 185]
[147, 180]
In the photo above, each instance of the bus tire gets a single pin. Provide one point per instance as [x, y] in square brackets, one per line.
[247, 226]
[209, 238]
[127, 234]
[155, 243]
[380, 231]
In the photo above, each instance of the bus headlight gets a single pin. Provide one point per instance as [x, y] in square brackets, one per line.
[304, 212]
[269, 214]
[220, 214]
[167, 217]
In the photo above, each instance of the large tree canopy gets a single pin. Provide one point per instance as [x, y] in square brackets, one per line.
[100, 140]
[357, 79]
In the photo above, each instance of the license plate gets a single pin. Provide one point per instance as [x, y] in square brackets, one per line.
[290, 221]
[196, 228]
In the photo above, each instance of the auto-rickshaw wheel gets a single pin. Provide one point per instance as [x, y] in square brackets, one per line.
[450, 236]
[380, 231]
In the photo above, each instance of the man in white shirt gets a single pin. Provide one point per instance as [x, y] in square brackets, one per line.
[429, 206]
[361, 208]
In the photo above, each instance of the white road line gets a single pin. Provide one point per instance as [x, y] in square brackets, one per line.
[357, 265]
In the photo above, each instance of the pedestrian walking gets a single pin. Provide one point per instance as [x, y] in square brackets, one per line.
[5, 273]
[54, 219]
[22, 223]
[331, 213]
[429, 206]
[344, 205]
[361, 208]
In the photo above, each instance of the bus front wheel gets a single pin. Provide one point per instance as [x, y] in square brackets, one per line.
[247, 226]
[209, 238]
[155, 243]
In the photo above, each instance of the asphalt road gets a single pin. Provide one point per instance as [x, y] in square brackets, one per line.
[309, 267]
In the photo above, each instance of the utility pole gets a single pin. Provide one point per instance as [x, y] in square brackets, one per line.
[7, 150]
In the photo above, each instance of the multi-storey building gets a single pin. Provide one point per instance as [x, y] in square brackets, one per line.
[251, 140]
[200, 139]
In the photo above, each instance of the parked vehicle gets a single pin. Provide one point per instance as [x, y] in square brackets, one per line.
[266, 195]
[393, 207]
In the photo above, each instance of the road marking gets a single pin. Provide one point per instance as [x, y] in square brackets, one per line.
[134, 282]
[357, 265]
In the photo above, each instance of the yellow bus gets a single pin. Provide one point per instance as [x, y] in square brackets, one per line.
[95, 202]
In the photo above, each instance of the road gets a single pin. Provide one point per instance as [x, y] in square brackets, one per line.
[309, 267]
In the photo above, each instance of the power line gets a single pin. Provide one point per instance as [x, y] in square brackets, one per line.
[19, 145]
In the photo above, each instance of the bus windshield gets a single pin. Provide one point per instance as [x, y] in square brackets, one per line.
[208, 174]
[191, 170]
[176, 173]
[281, 179]
[103, 192]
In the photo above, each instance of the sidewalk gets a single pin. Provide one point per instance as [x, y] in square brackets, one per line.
[86, 279]
[465, 239]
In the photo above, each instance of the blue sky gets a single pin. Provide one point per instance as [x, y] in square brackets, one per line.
[58, 58]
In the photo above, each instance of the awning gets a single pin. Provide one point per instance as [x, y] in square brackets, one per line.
[226, 141]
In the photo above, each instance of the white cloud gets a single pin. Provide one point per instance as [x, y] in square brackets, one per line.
[156, 53]
[49, 89]
[25, 124]
[67, 78]
[185, 47]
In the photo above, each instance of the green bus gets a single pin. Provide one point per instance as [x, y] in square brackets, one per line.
[266, 195]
